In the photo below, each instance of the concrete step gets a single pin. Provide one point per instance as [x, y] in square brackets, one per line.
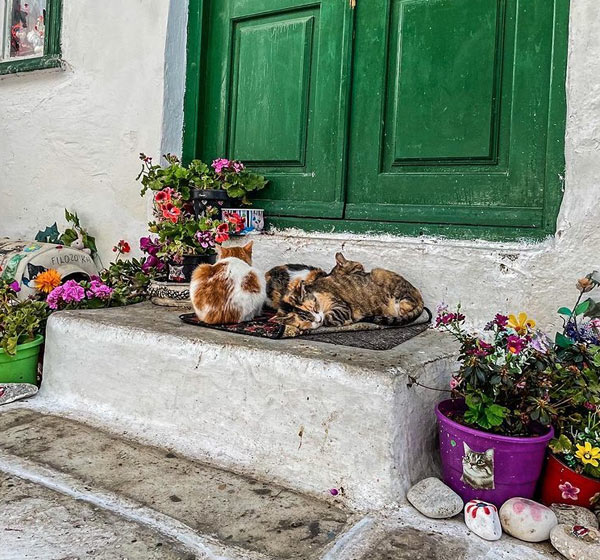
[308, 415]
[71, 491]
[229, 511]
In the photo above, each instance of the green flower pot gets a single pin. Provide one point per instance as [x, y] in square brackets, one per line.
[22, 367]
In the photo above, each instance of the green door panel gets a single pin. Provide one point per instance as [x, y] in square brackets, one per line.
[442, 90]
[275, 97]
[455, 127]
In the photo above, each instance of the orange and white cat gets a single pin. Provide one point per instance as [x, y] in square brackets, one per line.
[229, 291]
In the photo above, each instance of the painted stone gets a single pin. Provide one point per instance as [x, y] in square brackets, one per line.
[576, 542]
[482, 519]
[527, 520]
[10, 392]
[568, 514]
[434, 499]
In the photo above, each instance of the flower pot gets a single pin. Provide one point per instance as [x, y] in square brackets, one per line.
[182, 272]
[254, 218]
[201, 198]
[22, 367]
[562, 485]
[482, 466]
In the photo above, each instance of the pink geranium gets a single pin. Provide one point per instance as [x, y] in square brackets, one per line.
[219, 164]
[569, 492]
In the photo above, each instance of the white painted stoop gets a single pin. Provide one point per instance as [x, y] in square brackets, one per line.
[308, 415]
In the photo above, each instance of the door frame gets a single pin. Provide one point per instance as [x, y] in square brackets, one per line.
[555, 147]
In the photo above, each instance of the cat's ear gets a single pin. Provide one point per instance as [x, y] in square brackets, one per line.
[466, 447]
[340, 259]
[248, 248]
[219, 251]
[489, 454]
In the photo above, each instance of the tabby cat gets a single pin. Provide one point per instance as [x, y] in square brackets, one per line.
[350, 295]
[229, 291]
[280, 278]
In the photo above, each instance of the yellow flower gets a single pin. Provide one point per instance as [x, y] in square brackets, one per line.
[589, 455]
[521, 324]
[48, 280]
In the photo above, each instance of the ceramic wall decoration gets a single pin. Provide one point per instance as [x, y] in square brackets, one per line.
[24, 260]
[254, 219]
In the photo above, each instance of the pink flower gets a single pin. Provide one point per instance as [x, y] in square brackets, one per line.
[72, 292]
[219, 164]
[589, 405]
[454, 383]
[238, 166]
[99, 290]
[15, 287]
[514, 344]
[569, 492]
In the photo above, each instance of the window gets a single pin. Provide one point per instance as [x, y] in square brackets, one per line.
[408, 116]
[29, 34]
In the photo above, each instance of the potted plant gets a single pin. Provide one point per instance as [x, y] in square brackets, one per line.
[223, 183]
[185, 237]
[21, 324]
[572, 473]
[495, 430]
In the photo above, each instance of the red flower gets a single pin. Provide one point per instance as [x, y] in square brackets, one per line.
[122, 247]
[163, 196]
[170, 212]
[222, 234]
[236, 220]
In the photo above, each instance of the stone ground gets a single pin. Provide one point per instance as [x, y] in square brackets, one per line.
[70, 491]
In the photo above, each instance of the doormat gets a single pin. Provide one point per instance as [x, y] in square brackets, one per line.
[359, 335]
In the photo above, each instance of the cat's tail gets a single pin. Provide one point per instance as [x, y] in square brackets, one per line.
[409, 318]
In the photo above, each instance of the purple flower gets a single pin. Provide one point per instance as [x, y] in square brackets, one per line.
[15, 287]
[540, 342]
[149, 245]
[514, 344]
[72, 292]
[152, 262]
[99, 290]
[334, 491]
[54, 297]
[219, 164]
[205, 239]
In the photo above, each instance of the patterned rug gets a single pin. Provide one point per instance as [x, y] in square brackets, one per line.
[358, 335]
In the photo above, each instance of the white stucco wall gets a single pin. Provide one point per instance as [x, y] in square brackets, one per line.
[71, 138]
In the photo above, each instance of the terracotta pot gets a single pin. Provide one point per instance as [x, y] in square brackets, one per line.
[479, 465]
[562, 485]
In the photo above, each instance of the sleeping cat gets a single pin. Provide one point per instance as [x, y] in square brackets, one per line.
[349, 295]
[230, 290]
[478, 468]
[279, 279]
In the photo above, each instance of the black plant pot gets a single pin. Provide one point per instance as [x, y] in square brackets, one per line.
[217, 198]
[182, 273]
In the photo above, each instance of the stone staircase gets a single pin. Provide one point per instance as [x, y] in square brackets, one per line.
[309, 415]
[154, 439]
[72, 491]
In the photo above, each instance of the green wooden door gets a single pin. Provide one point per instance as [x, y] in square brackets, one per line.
[274, 96]
[450, 111]
[454, 115]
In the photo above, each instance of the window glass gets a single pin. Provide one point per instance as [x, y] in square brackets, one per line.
[22, 28]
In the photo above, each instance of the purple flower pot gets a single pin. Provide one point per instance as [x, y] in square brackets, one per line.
[482, 466]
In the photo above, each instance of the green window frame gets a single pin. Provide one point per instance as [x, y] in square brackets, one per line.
[464, 223]
[52, 48]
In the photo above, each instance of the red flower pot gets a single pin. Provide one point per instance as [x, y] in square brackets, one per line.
[562, 485]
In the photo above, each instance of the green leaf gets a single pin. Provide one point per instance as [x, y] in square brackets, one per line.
[565, 311]
[495, 414]
[562, 341]
[582, 307]
[562, 444]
